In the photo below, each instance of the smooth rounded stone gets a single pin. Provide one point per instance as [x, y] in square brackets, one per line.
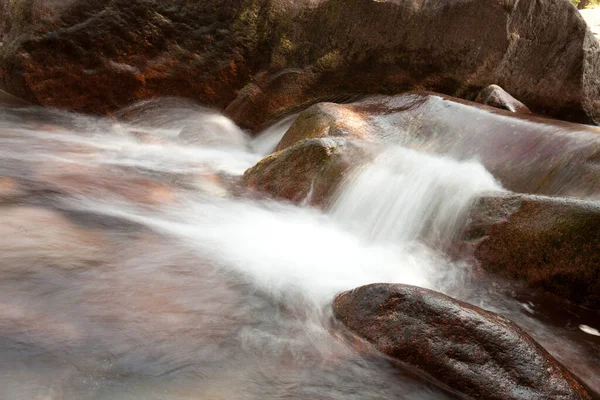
[543, 242]
[327, 119]
[308, 172]
[261, 59]
[495, 96]
[526, 153]
[474, 352]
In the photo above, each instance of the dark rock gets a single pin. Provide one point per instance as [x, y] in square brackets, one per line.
[526, 153]
[98, 56]
[472, 351]
[543, 242]
[308, 172]
[495, 96]
[264, 58]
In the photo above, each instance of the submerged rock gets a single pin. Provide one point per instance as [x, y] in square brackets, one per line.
[472, 351]
[495, 96]
[262, 58]
[33, 237]
[543, 242]
[527, 154]
[309, 172]
[10, 190]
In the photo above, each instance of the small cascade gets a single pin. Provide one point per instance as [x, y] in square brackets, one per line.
[405, 195]
[266, 141]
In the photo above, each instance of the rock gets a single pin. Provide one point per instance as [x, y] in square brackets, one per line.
[543, 242]
[308, 172]
[527, 154]
[99, 56]
[495, 96]
[327, 119]
[261, 59]
[474, 352]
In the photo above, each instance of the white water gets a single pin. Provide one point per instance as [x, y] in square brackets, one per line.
[130, 269]
[405, 195]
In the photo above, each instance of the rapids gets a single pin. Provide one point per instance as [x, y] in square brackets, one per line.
[132, 266]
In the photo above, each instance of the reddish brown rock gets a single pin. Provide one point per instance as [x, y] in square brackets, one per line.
[495, 96]
[474, 352]
[98, 56]
[527, 154]
[327, 119]
[260, 59]
[308, 172]
[543, 242]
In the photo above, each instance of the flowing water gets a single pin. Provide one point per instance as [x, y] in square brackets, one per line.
[133, 267]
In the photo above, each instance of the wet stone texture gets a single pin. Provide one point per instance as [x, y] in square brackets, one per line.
[260, 59]
[474, 352]
[526, 153]
[544, 242]
[308, 172]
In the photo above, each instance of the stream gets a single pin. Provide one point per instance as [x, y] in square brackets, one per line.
[133, 265]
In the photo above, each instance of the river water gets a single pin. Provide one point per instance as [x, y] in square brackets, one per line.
[132, 266]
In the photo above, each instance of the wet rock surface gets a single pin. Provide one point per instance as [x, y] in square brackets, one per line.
[495, 96]
[543, 242]
[260, 59]
[472, 351]
[307, 173]
[527, 154]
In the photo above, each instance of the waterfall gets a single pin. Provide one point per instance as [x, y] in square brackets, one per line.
[404, 195]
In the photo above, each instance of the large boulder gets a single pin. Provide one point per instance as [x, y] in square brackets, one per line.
[98, 56]
[474, 352]
[262, 58]
[309, 172]
[527, 154]
[544, 242]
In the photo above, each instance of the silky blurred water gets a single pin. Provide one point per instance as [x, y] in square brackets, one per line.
[132, 266]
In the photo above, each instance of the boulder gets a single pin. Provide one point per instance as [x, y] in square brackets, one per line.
[495, 96]
[98, 56]
[308, 172]
[544, 242]
[327, 119]
[260, 59]
[526, 153]
[474, 352]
